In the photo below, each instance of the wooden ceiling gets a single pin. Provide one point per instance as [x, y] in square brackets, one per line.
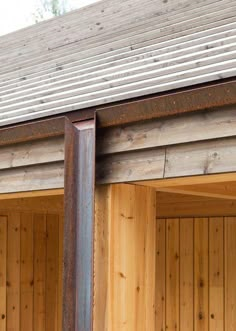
[221, 186]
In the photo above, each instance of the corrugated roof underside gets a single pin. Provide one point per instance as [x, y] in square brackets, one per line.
[114, 50]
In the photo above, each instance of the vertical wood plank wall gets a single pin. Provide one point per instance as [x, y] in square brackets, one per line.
[175, 274]
[30, 269]
[196, 274]
[125, 258]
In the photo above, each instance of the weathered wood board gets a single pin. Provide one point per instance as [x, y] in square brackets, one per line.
[114, 51]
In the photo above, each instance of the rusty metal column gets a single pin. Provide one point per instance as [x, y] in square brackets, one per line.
[79, 226]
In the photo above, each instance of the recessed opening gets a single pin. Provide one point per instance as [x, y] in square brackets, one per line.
[167, 252]
[31, 249]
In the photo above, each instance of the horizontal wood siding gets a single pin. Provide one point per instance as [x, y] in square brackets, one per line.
[205, 125]
[113, 51]
[30, 266]
[197, 263]
[30, 166]
[194, 144]
[199, 158]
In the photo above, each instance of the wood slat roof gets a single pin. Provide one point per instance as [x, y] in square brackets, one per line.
[114, 50]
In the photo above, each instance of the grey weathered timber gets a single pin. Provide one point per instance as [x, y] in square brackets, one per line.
[32, 178]
[112, 51]
[168, 131]
[30, 166]
[32, 153]
[130, 166]
[199, 158]
[79, 226]
[165, 147]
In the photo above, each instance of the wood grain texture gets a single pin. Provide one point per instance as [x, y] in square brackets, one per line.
[168, 131]
[190, 159]
[40, 248]
[204, 297]
[200, 158]
[160, 277]
[131, 166]
[26, 273]
[186, 290]
[216, 274]
[52, 264]
[30, 166]
[172, 274]
[60, 269]
[101, 258]
[39, 177]
[224, 190]
[230, 273]
[125, 233]
[132, 258]
[13, 271]
[201, 299]
[125, 51]
[32, 153]
[180, 205]
[3, 272]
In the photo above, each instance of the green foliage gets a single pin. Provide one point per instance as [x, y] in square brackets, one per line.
[50, 8]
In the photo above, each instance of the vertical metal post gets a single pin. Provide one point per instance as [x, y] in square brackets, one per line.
[79, 226]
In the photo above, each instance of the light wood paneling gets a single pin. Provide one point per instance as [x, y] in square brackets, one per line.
[26, 272]
[52, 265]
[201, 287]
[176, 205]
[13, 272]
[3, 272]
[172, 274]
[125, 245]
[132, 288]
[101, 258]
[30, 249]
[160, 275]
[230, 274]
[186, 273]
[224, 190]
[216, 273]
[40, 234]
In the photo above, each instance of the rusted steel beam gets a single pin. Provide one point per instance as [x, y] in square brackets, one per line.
[40, 129]
[32, 131]
[206, 97]
[187, 100]
[79, 226]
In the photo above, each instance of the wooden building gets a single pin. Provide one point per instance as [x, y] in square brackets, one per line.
[118, 169]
